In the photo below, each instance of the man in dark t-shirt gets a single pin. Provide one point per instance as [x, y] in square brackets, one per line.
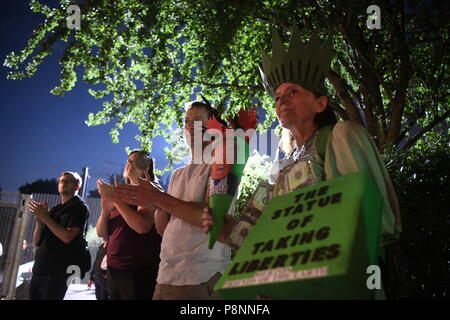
[58, 236]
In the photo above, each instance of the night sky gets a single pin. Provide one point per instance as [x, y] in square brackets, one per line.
[42, 134]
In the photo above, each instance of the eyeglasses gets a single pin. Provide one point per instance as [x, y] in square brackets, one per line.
[66, 180]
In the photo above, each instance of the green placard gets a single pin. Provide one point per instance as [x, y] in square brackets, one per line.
[314, 243]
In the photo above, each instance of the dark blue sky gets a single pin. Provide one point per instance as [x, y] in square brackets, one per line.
[42, 134]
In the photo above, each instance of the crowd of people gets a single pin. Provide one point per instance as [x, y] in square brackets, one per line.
[155, 242]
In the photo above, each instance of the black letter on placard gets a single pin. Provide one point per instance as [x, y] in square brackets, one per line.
[307, 237]
[306, 255]
[318, 254]
[287, 211]
[298, 209]
[298, 197]
[323, 233]
[293, 224]
[310, 204]
[234, 269]
[298, 254]
[268, 246]
[276, 214]
[322, 191]
[335, 198]
[282, 243]
[265, 263]
[253, 265]
[281, 260]
[295, 257]
[306, 220]
[310, 194]
[324, 201]
[333, 251]
[257, 246]
[294, 241]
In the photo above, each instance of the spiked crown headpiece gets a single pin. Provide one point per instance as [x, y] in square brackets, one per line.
[303, 64]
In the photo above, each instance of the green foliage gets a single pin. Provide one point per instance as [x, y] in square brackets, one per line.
[422, 179]
[178, 152]
[147, 58]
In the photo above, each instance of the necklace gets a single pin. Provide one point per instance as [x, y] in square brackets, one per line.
[299, 152]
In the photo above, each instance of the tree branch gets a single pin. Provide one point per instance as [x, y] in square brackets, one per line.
[370, 82]
[339, 110]
[340, 85]
[362, 53]
[411, 122]
[430, 126]
[398, 104]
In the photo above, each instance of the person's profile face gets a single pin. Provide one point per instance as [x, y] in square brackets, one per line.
[193, 115]
[295, 105]
[67, 184]
[132, 167]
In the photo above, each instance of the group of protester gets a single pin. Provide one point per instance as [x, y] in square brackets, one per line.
[157, 246]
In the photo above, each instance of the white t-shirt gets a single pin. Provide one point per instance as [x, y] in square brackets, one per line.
[185, 257]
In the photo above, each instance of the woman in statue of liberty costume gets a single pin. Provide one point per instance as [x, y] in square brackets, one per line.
[317, 148]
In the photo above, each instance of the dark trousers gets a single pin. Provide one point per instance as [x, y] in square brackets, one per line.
[101, 288]
[137, 284]
[389, 271]
[48, 287]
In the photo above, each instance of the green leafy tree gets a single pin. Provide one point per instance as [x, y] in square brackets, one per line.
[178, 152]
[40, 186]
[422, 255]
[147, 58]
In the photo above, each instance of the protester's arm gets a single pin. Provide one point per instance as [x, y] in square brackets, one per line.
[39, 226]
[140, 220]
[208, 222]
[102, 225]
[146, 194]
[162, 217]
[64, 234]
[37, 232]
[190, 212]
[161, 220]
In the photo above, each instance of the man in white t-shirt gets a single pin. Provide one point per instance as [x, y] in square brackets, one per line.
[188, 269]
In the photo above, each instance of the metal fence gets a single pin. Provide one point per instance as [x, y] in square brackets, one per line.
[16, 235]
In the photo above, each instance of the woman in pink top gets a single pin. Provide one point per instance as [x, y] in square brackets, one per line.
[134, 245]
